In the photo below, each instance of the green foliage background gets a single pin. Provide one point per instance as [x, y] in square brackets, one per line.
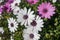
[51, 30]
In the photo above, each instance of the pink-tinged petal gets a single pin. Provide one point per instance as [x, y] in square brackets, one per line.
[7, 7]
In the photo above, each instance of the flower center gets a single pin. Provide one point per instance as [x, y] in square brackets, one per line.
[12, 25]
[16, 4]
[45, 10]
[33, 23]
[25, 16]
[18, 11]
[31, 36]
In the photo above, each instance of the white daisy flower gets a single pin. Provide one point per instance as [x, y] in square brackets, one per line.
[54, 1]
[12, 25]
[1, 30]
[15, 3]
[30, 35]
[16, 10]
[25, 17]
[36, 24]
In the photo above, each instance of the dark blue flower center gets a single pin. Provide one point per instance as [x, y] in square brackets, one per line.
[25, 17]
[16, 4]
[45, 10]
[31, 36]
[12, 25]
[33, 23]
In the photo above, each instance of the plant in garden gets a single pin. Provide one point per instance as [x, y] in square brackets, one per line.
[29, 20]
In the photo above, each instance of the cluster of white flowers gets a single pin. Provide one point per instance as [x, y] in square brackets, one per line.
[32, 23]
[12, 23]
[27, 18]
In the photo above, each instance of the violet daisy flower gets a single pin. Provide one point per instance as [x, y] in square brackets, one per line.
[46, 10]
[7, 7]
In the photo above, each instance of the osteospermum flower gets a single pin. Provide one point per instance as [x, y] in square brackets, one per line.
[7, 7]
[25, 17]
[46, 10]
[12, 25]
[1, 30]
[30, 35]
[36, 24]
[16, 10]
[32, 1]
[15, 3]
